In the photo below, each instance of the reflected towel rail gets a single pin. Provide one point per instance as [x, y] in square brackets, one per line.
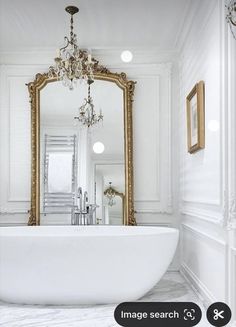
[54, 196]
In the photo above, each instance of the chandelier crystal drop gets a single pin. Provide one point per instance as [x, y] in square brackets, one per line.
[110, 194]
[87, 115]
[231, 16]
[72, 63]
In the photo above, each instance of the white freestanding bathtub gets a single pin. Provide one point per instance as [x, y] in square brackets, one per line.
[82, 264]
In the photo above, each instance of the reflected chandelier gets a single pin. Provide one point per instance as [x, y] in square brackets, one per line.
[87, 115]
[71, 63]
[231, 16]
[110, 193]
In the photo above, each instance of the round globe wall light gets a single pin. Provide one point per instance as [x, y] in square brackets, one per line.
[126, 56]
[98, 147]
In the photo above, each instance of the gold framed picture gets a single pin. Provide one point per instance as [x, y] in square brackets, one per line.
[196, 118]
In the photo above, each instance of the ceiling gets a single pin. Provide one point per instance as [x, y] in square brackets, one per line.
[34, 24]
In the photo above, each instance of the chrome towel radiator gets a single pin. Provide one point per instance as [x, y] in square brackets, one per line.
[60, 198]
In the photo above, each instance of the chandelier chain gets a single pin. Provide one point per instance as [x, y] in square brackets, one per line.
[71, 28]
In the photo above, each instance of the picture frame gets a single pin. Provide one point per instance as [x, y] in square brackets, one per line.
[195, 104]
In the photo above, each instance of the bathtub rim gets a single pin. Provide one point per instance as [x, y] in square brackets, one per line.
[85, 231]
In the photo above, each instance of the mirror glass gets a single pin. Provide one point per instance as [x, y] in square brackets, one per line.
[77, 163]
[109, 193]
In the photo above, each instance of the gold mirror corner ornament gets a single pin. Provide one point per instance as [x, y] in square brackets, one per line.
[100, 73]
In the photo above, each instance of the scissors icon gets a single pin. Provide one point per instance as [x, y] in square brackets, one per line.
[218, 314]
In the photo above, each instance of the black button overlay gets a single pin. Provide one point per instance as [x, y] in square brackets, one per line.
[219, 314]
[164, 314]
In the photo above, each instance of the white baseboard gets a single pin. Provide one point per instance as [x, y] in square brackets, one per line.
[199, 288]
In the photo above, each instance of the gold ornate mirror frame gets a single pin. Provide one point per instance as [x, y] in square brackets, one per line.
[100, 73]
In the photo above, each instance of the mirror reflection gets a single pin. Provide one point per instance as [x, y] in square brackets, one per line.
[109, 192]
[82, 154]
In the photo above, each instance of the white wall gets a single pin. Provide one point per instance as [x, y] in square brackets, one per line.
[205, 176]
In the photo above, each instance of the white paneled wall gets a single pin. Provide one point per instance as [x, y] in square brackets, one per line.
[201, 175]
[152, 141]
[15, 143]
[207, 195]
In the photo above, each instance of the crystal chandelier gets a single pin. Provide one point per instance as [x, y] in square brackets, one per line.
[231, 16]
[110, 193]
[87, 115]
[71, 63]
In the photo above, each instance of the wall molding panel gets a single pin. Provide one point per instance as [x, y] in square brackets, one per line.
[15, 141]
[200, 247]
[202, 291]
[159, 148]
[204, 234]
[208, 213]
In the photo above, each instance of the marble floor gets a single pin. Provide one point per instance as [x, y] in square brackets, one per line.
[172, 287]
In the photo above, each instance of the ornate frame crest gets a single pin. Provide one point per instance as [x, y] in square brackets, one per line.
[100, 73]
